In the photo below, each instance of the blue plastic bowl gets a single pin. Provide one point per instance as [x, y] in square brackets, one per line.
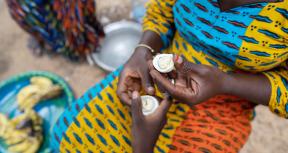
[49, 110]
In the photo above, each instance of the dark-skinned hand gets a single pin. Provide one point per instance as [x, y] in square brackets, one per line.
[146, 129]
[193, 83]
[135, 76]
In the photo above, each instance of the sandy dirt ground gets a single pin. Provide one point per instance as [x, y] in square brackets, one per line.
[269, 133]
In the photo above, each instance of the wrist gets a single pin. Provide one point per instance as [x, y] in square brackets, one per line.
[228, 83]
[152, 39]
[143, 52]
[147, 47]
[141, 148]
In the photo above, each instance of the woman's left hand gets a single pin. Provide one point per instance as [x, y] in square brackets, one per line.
[193, 83]
[146, 129]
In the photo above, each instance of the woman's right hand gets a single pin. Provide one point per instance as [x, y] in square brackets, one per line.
[135, 76]
[194, 83]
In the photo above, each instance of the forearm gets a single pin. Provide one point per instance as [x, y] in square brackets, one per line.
[253, 87]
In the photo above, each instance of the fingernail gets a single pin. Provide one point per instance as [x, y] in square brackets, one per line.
[135, 94]
[178, 59]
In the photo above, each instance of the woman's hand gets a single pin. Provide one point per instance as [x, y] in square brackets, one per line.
[146, 129]
[135, 76]
[193, 83]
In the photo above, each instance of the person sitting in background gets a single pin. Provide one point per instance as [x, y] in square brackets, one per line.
[69, 27]
[233, 57]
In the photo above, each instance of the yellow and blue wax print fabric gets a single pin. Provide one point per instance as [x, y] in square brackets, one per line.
[250, 38]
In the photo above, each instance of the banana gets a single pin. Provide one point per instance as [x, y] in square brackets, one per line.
[16, 138]
[28, 94]
[8, 133]
[16, 120]
[23, 133]
[3, 124]
[34, 147]
[41, 82]
[41, 88]
[51, 92]
[20, 147]
[30, 102]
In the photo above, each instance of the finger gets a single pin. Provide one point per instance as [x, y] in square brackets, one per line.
[181, 80]
[184, 66]
[121, 82]
[122, 89]
[172, 74]
[165, 104]
[150, 65]
[136, 107]
[124, 97]
[147, 83]
[162, 81]
[178, 92]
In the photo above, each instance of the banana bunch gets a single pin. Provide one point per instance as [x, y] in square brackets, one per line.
[41, 88]
[22, 134]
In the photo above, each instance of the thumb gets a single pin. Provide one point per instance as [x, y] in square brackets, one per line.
[165, 104]
[184, 66]
[136, 106]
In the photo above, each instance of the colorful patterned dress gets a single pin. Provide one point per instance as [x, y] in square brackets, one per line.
[252, 37]
[67, 27]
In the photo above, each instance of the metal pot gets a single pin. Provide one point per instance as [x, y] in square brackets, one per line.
[118, 45]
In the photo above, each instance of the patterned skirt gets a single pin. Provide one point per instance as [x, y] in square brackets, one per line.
[99, 122]
[66, 27]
